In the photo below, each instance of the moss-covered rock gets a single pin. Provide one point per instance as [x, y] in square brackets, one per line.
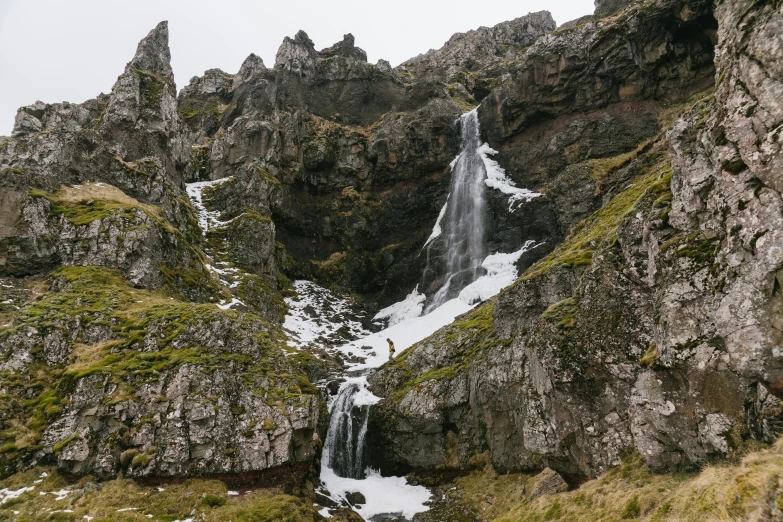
[174, 382]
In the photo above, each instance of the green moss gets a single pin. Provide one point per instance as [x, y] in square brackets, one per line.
[693, 246]
[151, 87]
[562, 313]
[141, 460]
[64, 443]
[650, 357]
[734, 167]
[267, 177]
[601, 227]
[470, 337]
[214, 501]
[96, 296]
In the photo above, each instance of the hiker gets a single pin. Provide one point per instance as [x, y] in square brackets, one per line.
[391, 348]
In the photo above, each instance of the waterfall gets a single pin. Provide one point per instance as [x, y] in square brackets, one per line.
[345, 451]
[463, 241]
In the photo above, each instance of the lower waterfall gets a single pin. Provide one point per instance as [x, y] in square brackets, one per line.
[345, 451]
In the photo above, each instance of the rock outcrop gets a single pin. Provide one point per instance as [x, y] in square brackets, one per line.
[103, 378]
[123, 363]
[647, 318]
[654, 326]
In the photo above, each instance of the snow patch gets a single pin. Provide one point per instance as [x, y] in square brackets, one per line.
[501, 272]
[437, 230]
[8, 494]
[316, 315]
[206, 219]
[390, 495]
[496, 179]
[408, 308]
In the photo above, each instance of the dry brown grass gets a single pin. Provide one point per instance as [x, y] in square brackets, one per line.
[749, 490]
[200, 499]
[102, 192]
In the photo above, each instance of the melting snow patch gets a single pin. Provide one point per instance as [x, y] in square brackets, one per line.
[496, 179]
[226, 305]
[316, 315]
[233, 493]
[8, 494]
[410, 307]
[383, 494]
[404, 334]
[206, 219]
[501, 272]
[324, 512]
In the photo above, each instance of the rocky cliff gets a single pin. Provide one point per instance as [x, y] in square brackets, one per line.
[655, 325]
[140, 328]
[114, 357]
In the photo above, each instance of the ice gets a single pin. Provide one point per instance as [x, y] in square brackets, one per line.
[383, 494]
[410, 307]
[501, 272]
[437, 230]
[364, 397]
[496, 179]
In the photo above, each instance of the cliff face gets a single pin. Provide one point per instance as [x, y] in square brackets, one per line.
[362, 151]
[648, 317]
[113, 355]
[655, 324]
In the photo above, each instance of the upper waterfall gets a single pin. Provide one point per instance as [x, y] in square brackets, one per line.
[464, 220]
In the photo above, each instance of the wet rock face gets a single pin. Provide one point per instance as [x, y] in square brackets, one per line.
[661, 337]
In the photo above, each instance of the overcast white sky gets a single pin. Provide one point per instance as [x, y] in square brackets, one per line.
[55, 50]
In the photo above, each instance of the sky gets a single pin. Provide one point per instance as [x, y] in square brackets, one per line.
[71, 50]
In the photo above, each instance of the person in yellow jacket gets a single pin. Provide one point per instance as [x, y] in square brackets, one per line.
[391, 348]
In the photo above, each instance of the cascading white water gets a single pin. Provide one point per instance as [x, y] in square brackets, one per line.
[344, 449]
[461, 274]
[464, 242]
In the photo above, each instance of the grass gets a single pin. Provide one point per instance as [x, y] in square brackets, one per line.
[99, 297]
[83, 204]
[743, 490]
[562, 313]
[199, 499]
[468, 337]
[600, 228]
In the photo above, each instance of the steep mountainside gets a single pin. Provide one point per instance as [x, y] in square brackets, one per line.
[148, 239]
[656, 324]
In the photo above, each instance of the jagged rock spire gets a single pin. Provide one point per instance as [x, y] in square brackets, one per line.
[152, 54]
[251, 67]
[296, 55]
[143, 104]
